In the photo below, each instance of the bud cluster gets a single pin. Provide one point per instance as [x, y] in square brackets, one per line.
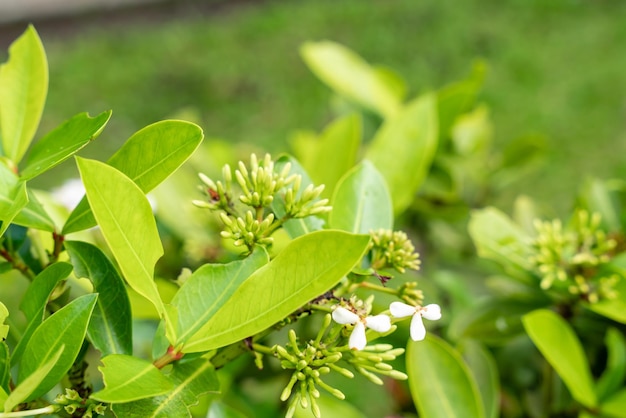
[571, 257]
[247, 211]
[393, 249]
[74, 405]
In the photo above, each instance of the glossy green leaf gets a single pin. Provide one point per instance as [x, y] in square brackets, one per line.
[31, 215]
[34, 381]
[404, 147]
[441, 383]
[494, 321]
[35, 301]
[351, 76]
[498, 238]
[615, 371]
[68, 327]
[63, 142]
[485, 372]
[23, 90]
[300, 226]
[128, 226]
[191, 380]
[110, 329]
[148, 157]
[615, 407]
[19, 199]
[209, 288]
[335, 152]
[361, 202]
[551, 333]
[309, 266]
[128, 378]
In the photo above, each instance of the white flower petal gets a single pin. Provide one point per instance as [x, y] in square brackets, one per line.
[431, 312]
[343, 316]
[379, 323]
[357, 338]
[418, 331]
[401, 310]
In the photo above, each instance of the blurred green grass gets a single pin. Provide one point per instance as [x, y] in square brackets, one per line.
[556, 68]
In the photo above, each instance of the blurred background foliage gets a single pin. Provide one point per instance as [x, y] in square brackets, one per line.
[555, 68]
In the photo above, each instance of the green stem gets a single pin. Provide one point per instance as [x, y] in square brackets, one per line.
[379, 288]
[46, 410]
[17, 263]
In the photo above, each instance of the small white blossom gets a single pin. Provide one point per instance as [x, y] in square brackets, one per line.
[418, 331]
[357, 341]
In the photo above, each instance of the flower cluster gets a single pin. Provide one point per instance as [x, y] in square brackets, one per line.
[72, 403]
[571, 257]
[392, 249]
[264, 199]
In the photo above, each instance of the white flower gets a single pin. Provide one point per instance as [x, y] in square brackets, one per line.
[357, 341]
[418, 331]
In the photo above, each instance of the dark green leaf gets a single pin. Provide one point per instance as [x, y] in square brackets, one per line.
[110, 329]
[148, 157]
[63, 142]
[5, 367]
[19, 198]
[66, 327]
[361, 202]
[128, 378]
[35, 301]
[23, 91]
[441, 384]
[551, 333]
[191, 380]
[209, 288]
[404, 147]
[309, 266]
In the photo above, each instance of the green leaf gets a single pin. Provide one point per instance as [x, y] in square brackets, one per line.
[404, 147]
[309, 266]
[35, 301]
[457, 98]
[361, 202]
[551, 333]
[5, 366]
[495, 320]
[351, 76]
[614, 309]
[598, 197]
[615, 407]
[485, 372]
[219, 409]
[209, 288]
[4, 329]
[19, 199]
[131, 234]
[440, 381]
[24, 390]
[32, 215]
[335, 152]
[128, 378]
[191, 380]
[66, 327]
[498, 238]
[64, 141]
[148, 157]
[110, 329]
[615, 370]
[330, 407]
[23, 90]
[299, 226]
